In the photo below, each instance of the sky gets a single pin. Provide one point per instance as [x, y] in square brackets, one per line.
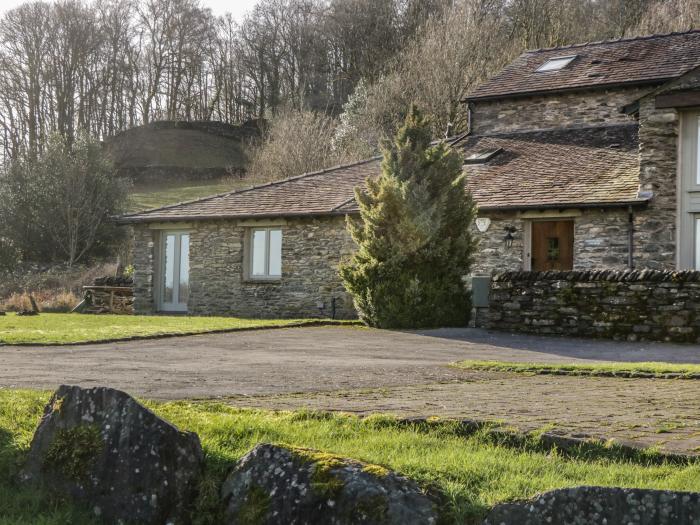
[236, 7]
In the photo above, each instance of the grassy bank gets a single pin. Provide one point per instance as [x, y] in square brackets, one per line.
[78, 328]
[144, 197]
[629, 370]
[474, 472]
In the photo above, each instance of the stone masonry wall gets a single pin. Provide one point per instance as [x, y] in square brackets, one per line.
[631, 305]
[600, 241]
[655, 226]
[554, 111]
[311, 251]
[143, 253]
[491, 254]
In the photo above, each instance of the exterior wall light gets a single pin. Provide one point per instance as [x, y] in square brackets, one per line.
[508, 239]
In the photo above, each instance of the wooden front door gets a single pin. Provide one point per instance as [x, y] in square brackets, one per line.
[552, 245]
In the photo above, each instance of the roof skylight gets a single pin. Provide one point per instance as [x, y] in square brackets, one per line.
[556, 63]
[480, 157]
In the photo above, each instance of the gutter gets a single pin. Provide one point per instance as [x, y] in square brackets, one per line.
[561, 206]
[219, 216]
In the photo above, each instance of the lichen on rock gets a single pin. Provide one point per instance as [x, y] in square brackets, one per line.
[100, 447]
[311, 487]
[601, 506]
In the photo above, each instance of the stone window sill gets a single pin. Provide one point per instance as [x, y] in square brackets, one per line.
[252, 280]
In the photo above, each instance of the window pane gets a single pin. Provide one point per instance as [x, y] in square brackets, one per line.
[554, 64]
[258, 252]
[184, 294]
[275, 253]
[169, 269]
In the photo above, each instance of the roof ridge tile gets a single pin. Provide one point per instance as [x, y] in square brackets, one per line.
[612, 41]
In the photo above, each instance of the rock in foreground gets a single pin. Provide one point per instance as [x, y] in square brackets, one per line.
[601, 506]
[102, 448]
[274, 484]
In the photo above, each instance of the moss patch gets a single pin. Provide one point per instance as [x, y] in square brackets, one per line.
[323, 481]
[376, 470]
[73, 451]
[255, 507]
[374, 508]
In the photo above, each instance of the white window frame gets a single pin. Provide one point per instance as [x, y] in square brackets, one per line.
[175, 305]
[696, 250]
[561, 63]
[697, 153]
[251, 254]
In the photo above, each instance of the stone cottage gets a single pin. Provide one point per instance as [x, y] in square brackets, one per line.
[578, 157]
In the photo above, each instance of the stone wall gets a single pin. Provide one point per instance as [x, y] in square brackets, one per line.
[554, 111]
[631, 305]
[311, 252]
[143, 260]
[600, 241]
[492, 254]
[655, 226]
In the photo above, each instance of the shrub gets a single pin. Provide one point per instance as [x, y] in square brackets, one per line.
[413, 236]
[57, 205]
[10, 255]
[48, 301]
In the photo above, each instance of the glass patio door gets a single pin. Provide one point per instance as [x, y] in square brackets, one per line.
[176, 272]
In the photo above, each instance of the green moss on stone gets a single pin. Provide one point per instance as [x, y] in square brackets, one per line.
[74, 450]
[376, 470]
[323, 481]
[255, 507]
[374, 508]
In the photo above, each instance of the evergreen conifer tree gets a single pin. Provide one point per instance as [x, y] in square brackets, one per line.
[413, 236]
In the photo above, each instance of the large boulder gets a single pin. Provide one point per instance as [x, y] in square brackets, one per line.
[275, 484]
[601, 506]
[101, 447]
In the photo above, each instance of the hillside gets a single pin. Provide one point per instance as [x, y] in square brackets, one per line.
[178, 151]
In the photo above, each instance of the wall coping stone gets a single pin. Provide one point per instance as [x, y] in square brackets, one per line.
[602, 275]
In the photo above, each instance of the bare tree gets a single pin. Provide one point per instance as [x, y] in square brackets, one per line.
[297, 142]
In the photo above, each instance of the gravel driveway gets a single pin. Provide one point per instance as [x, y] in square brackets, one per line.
[362, 370]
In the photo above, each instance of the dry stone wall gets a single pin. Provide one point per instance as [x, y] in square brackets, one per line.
[631, 305]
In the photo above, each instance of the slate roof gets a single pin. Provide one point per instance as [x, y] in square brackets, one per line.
[579, 167]
[642, 60]
[582, 167]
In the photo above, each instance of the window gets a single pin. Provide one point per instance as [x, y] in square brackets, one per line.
[481, 157]
[555, 64]
[175, 272]
[266, 253]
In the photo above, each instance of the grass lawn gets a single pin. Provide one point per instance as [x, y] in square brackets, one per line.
[650, 369]
[155, 196]
[76, 328]
[473, 472]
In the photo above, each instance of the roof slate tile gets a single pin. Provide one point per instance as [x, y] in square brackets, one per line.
[638, 60]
